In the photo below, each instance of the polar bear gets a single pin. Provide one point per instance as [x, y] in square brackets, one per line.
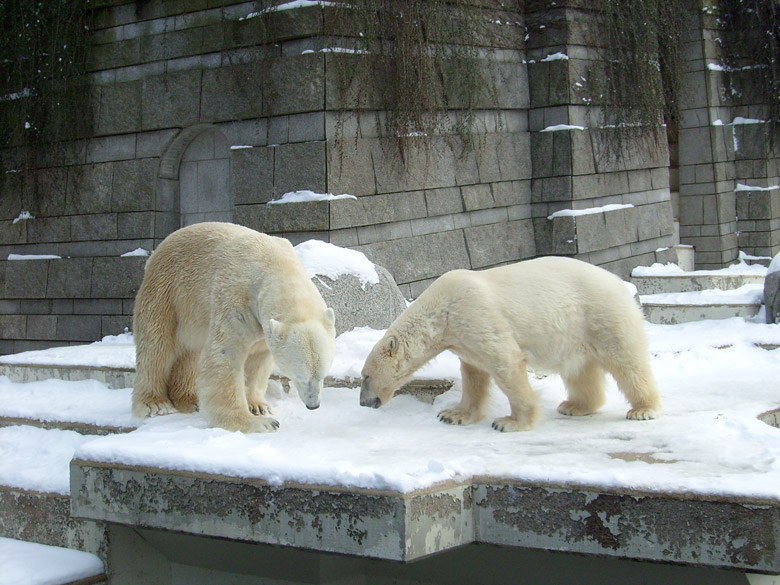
[551, 313]
[218, 306]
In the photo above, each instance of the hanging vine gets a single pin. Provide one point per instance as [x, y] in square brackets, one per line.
[750, 48]
[638, 82]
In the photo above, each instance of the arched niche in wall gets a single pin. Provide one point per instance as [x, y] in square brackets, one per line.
[195, 175]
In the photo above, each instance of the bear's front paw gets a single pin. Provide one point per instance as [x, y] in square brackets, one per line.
[456, 416]
[259, 408]
[506, 424]
[261, 424]
[642, 414]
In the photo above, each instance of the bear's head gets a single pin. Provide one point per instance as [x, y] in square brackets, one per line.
[386, 369]
[304, 352]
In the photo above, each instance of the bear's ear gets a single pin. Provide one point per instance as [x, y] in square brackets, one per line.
[330, 317]
[391, 344]
[277, 330]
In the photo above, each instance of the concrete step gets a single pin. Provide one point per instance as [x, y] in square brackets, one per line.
[684, 307]
[33, 563]
[693, 281]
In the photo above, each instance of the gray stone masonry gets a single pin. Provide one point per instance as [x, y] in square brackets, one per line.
[202, 113]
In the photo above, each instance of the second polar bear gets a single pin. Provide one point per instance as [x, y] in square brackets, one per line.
[218, 306]
[552, 313]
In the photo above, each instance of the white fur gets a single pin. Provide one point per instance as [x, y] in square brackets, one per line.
[219, 304]
[554, 314]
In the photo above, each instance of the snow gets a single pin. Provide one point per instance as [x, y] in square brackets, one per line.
[742, 187]
[40, 564]
[559, 127]
[589, 210]
[306, 196]
[708, 436]
[670, 269]
[287, 6]
[747, 294]
[324, 259]
[34, 257]
[23, 216]
[136, 252]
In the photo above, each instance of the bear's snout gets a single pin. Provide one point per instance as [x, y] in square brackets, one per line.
[367, 396]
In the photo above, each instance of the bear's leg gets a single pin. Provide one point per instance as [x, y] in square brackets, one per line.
[221, 386]
[475, 391]
[181, 387]
[257, 370]
[637, 384]
[512, 378]
[585, 389]
[155, 356]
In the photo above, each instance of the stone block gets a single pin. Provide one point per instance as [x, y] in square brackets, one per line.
[231, 93]
[98, 226]
[477, 197]
[69, 278]
[120, 108]
[135, 225]
[251, 216]
[115, 324]
[695, 146]
[169, 100]
[82, 306]
[89, 188]
[562, 152]
[648, 222]
[499, 243]
[48, 229]
[293, 217]
[11, 187]
[542, 154]
[350, 167]
[293, 85]
[13, 233]
[552, 189]
[592, 233]
[384, 232]
[377, 209]
[421, 257]
[443, 201]
[430, 225]
[78, 328]
[134, 185]
[111, 148]
[13, 326]
[49, 189]
[116, 277]
[300, 166]
[26, 279]
[308, 127]
[41, 327]
[252, 175]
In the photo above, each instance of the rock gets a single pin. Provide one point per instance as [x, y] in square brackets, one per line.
[772, 291]
[362, 305]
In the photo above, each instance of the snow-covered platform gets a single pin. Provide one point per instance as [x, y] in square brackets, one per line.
[669, 295]
[37, 564]
[698, 486]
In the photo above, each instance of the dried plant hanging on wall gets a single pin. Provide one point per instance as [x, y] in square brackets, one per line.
[750, 47]
[636, 86]
[419, 67]
[43, 53]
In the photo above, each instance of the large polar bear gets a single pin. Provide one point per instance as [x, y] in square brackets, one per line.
[555, 314]
[218, 306]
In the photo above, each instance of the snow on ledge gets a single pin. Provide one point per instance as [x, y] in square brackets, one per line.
[136, 252]
[324, 259]
[741, 187]
[33, 257]
[589, 210]
[559, 127]
[306, 196]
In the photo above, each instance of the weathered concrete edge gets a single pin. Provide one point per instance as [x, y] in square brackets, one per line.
[735, 533]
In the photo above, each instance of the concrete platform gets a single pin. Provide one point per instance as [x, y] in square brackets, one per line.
[693, 281]
[662, 313]
[706, 532]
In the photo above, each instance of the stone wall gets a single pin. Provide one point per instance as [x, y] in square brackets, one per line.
[198, 116]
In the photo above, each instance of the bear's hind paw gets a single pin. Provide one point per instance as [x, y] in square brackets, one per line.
[260, 424]
[647, 413]
[455, 416]
[147, 410]
[569, 408]
[506, 424]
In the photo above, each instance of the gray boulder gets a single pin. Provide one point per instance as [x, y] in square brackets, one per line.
[356, 305]
[772, 292]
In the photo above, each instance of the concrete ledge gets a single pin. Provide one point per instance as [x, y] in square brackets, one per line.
[647, 285]
[672, 314]
[707, 532]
